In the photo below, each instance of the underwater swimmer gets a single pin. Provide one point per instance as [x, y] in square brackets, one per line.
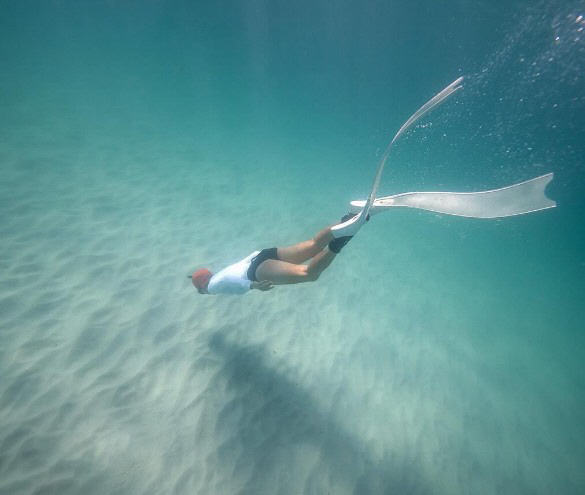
[262, 270]
[280, 266]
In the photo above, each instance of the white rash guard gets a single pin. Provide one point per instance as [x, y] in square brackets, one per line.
[232, 279]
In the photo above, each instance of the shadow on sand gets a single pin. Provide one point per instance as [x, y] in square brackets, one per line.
[275, 417]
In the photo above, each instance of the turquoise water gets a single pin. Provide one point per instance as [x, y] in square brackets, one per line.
[438, 354]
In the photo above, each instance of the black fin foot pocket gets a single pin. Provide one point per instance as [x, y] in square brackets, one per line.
[336, 245]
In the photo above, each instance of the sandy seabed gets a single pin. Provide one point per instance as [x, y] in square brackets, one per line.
[117, 378]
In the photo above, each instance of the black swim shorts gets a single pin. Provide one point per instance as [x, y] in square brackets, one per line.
[265, 254]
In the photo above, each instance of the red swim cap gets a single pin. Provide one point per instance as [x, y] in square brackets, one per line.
[201, 278]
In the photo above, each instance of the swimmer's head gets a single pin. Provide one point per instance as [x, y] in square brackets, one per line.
[201, 280]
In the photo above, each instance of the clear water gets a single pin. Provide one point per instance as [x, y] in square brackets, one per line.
[140, 140]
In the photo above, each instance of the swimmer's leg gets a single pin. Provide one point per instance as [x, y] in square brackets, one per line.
[281, 272]
[303, 251]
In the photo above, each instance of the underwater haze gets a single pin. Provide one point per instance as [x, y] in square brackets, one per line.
[140, 140]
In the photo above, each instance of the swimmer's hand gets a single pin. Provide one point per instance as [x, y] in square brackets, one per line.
[264, 285]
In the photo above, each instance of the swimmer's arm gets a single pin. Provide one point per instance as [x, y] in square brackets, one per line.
[263, 285]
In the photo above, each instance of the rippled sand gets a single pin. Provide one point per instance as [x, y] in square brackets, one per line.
[117, 378]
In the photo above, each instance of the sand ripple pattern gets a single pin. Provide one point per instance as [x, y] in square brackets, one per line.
[118, 379]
